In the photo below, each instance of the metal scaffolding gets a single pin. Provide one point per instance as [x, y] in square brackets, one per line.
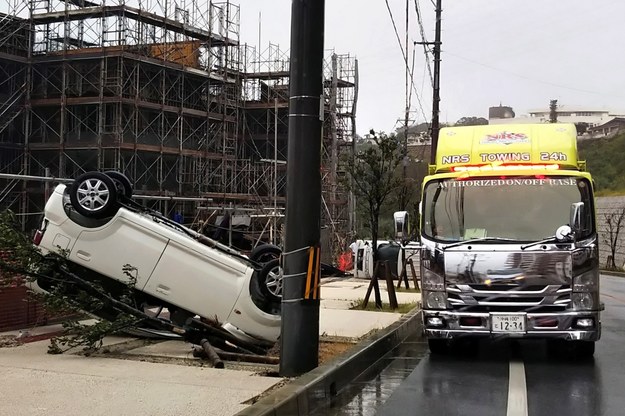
[165, 93]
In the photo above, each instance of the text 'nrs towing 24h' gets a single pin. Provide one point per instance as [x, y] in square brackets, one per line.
[509, 238]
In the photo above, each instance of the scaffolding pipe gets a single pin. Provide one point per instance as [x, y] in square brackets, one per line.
[66, 180]
[172, 198]
[33, 178]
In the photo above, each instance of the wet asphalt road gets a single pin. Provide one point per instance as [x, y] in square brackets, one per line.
[504, 378]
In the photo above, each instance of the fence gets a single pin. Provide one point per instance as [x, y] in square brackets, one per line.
[18, 310]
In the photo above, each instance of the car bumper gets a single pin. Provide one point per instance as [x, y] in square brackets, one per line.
[561, 325]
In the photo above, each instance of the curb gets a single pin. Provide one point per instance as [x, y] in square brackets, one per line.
[41, 337]
[319, 386]
[612, 273]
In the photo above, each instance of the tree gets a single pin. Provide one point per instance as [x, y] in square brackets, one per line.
[372, 177]
[614, 222]
[581, 127]
[472, 121]
[553, 111]
[21, 261]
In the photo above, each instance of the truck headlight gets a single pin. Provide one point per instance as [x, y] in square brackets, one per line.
[583, 301]
[435, 300]
[585, 282]
[432, 281]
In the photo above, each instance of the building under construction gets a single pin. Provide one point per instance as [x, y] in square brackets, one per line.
[165, 93]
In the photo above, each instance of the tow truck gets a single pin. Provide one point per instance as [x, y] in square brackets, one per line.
[509, 245]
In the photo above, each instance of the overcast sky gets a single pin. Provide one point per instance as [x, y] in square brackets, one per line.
[521, 53]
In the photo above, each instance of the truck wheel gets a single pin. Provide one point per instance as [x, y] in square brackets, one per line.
[122, 183]
[271, 280]
[265, 253]
[94, 195]
[438, 346]
[583, 349]
[468, 347]
[567, 350]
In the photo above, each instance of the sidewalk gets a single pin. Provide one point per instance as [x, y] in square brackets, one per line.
[162, 378]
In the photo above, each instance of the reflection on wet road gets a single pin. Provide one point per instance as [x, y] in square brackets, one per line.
[409, 381]
[368, 392]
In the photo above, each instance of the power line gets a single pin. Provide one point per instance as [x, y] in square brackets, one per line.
[424, 40]
[530, 78]
[403, 53]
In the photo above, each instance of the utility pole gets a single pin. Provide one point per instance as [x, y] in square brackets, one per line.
[437, 80]
[275, 239]
[404, 191]
[299, 340]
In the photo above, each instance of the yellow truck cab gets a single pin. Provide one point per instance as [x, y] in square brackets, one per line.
[508, 238]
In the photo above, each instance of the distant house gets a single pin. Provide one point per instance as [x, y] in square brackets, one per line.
[579, 115]
[575, 114]
[418, 134]
[609, 128]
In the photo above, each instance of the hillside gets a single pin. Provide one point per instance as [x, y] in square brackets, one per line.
[606, 162]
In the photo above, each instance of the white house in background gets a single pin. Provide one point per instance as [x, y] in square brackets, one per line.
[575, 114]
[566, 114]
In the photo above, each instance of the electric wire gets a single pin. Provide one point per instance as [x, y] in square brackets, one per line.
[403, 53]
[531, 78]
[424, 41]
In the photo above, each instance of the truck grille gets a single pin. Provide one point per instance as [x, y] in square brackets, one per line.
[512, 298]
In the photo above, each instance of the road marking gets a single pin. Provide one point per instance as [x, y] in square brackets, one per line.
[517, 390]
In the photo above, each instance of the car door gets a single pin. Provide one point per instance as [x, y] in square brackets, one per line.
[128, 239]
[198, 278]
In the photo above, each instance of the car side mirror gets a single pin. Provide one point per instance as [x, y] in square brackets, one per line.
[400, 220]
[576, 220]
[564, 233]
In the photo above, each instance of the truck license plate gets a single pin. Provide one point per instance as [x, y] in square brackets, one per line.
[508, 323]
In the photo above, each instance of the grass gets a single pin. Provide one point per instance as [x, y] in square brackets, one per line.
[402, 307]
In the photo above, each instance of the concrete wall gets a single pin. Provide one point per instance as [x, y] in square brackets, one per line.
[610, 207]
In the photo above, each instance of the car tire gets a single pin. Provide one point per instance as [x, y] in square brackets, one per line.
[93, 195]
[122, 183]
[265, 253]
[257, 294]
[271, 280]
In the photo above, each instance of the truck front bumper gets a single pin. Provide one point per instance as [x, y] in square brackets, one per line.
[562, 325]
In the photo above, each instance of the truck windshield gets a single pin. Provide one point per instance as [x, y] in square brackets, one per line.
[519, 208]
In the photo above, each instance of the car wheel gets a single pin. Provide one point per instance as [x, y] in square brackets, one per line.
[260, 299]
[265, 253]
[271, 280]
[93, 195]
[122, 183]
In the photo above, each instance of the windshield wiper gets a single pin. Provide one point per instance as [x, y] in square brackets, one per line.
[545, 240]
[477, 240]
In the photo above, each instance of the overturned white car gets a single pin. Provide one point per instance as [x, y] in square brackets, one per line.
[99, 228]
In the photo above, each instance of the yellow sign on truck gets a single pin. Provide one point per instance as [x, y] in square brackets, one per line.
[525, 145]
[508, 238]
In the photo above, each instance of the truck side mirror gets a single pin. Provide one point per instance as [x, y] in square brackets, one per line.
[577, 218]
[400, 220]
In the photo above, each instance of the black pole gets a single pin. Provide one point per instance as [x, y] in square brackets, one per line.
[437, 80]
[299, 342]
